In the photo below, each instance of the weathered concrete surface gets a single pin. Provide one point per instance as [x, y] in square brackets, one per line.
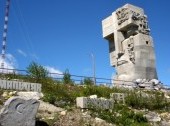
[19, 112]
[130, 45]
[20, 86]
[85, 103]
[118, 97]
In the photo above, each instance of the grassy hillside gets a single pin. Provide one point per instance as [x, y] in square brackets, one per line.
[63, 94]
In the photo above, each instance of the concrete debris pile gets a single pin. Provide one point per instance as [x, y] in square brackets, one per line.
[152, 84]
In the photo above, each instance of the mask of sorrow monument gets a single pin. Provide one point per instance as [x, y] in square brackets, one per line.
[130, 44]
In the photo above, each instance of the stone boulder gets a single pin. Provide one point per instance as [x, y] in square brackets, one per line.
[164, 123]
[46, 107]
[153, 117]
[155, 81]
[18, 111]
[30, 95]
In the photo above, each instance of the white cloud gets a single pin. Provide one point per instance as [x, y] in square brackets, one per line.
[9, 63]
[55, 73]
[21, 52]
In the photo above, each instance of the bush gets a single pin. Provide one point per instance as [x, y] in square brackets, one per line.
[50, 98]
[67, 77]
[121, 115]
[153, 100]
[100, 91]
[88, 81]
[37, 71]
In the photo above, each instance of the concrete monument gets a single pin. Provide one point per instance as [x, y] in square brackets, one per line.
[18, 111]
[130, 44]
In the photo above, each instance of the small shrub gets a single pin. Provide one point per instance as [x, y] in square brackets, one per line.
[37, 71]
[121, 115]
[153, 100]
[88, 81]
[67, 77]
[100, 91]
[50, 98]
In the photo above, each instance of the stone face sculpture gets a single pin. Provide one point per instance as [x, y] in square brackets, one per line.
[130, 45]
[19, 112]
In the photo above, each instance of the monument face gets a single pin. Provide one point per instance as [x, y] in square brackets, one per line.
[130, 44]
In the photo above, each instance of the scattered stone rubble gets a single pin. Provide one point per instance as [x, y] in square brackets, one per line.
[156, 119]
[79, 118]
[152, 84]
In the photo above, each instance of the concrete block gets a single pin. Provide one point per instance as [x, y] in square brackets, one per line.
[86, 103]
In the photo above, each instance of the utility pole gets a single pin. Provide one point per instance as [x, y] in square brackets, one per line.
[93, 68]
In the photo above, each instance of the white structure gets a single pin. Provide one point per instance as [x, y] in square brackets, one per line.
[21, 86]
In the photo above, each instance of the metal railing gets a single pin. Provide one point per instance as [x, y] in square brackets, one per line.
[77, 79]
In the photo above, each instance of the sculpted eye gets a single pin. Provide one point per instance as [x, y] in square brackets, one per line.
[134, 18]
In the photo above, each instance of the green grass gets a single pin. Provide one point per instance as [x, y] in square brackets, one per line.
[57, 91]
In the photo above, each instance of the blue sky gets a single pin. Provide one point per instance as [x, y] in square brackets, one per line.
[61, 34]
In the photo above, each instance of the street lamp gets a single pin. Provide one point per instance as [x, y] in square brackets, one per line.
[93, 68]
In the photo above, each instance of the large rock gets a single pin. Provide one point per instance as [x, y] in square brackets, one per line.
[164, 123]
[18, 111]
[153, 117]
[30, 95]
[155, 81]
[47, 111]
[44, 106]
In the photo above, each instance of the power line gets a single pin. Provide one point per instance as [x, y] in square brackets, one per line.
[23, 26]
